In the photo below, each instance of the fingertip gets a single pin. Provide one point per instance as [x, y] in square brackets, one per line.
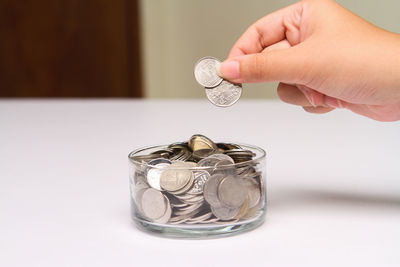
[317, 110]
[334, 102]
[229, 69]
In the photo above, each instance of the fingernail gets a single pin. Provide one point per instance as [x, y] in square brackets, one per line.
[228, 69]
[309, 97]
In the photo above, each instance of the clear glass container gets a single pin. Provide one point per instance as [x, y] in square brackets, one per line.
[177, 192]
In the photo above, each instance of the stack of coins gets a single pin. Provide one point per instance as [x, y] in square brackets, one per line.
[220, 92]
[197, 182]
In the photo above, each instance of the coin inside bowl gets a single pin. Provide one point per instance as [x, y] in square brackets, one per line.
[178, 192]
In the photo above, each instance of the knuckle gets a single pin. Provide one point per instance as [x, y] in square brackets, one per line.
[256, 68]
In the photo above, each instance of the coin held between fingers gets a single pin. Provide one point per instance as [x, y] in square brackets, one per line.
[229, 69]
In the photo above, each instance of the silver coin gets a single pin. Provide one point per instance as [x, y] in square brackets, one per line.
[154, 175]
[240, 155]
[139, 178]
[167, 215]
[211, 220]
[253, 192]
[211, 189]
[200, 218]
[139, 186]
[180, 164]
[185, 216]
[224, 167]
[188, 210]
[190, 197]
[205, 72]
[137, 197]
[224, 95]
[153, 204]
[225, 213]
[228, 146]
[157, 161]
[231, 191]
[245, 170]
[227, 221]
[193, 201]
[208, 162]
[200, 178]
[182, 154]
[175, 177]
[202, 153]
[176, 203]
[178, 220]
[224, 163]
[185, 188]
[144, 158]
[165, 152]
[222, 157]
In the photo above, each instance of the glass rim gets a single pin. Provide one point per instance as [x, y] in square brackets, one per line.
[257, 159]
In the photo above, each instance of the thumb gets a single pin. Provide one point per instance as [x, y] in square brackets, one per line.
[284, 65]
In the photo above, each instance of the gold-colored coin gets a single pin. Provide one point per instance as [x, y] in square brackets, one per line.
[251, 213]
[243, 209]
[198, 141]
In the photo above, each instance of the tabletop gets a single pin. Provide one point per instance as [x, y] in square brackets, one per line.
[333, 184]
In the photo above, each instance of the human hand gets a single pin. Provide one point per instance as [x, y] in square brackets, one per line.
[324, 57]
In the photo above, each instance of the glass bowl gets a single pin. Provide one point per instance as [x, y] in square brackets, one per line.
[183, 191]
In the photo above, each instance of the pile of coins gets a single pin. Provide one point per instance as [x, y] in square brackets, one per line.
[197, 182]
[220, 92]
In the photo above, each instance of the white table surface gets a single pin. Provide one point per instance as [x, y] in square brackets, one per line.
[333, 184]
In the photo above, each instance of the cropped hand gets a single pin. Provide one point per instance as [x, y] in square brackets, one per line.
[324, 57]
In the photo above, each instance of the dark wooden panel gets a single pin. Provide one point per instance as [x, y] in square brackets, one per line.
[73, 48]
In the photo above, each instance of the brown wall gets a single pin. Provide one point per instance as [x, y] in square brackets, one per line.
[69, 48]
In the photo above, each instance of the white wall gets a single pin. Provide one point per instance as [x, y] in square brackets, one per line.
[176, 33]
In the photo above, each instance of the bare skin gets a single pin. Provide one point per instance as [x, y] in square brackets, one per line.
[324, 57]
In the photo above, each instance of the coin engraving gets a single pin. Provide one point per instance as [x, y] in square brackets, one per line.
[220, 92]
[205, 72]
[174, 178]
[200, 178]
[224, 95]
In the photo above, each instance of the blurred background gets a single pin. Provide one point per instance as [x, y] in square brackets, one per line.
[132, 48]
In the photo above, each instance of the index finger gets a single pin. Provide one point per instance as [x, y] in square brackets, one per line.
[267, 31]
